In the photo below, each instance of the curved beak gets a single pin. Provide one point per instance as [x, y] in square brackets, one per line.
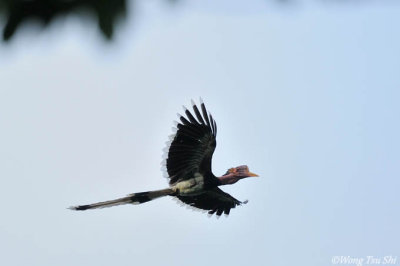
[252, 174]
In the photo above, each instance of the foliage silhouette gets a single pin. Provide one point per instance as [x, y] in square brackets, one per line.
[20, 11]
[107, 12]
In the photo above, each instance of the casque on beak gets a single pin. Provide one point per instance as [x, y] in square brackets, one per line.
[252, 174]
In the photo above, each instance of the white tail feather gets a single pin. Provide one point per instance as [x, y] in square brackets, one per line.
[134, 198]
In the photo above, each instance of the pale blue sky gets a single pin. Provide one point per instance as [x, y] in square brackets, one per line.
[306, 95]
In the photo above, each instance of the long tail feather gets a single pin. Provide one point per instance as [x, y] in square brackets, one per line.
[135, 198]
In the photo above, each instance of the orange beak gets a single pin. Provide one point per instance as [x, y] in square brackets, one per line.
[252, 174]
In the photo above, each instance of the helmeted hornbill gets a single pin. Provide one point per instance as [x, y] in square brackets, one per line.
[188, 167]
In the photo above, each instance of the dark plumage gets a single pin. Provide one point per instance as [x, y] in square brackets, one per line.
[188, 166]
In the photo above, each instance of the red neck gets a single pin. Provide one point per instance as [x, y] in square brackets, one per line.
[228, 179]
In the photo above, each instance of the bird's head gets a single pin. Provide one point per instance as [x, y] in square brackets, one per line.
[235, 174]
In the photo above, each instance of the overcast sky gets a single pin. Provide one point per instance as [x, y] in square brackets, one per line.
[307, 95]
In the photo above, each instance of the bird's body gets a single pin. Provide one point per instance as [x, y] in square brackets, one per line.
[188, 167]
[191, 187]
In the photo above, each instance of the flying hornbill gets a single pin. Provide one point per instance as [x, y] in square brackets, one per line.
[188, 167]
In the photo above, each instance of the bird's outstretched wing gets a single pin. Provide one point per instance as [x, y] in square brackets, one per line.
[213, 200]
[192, 146]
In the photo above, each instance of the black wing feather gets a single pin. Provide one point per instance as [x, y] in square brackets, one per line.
[191, 117]
[213, 200]
[212, 124]
[203, 108]
[192, 147]
[198, 115]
